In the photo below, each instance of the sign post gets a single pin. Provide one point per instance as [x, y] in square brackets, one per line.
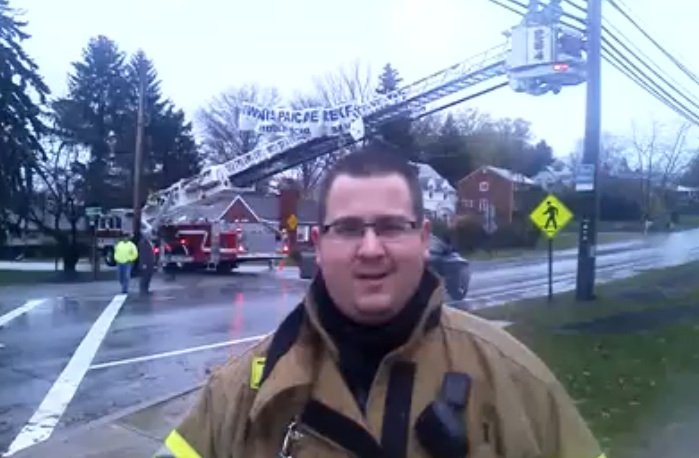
[550, 216]
[93, 214]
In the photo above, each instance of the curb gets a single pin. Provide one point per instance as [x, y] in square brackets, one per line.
[116, 416]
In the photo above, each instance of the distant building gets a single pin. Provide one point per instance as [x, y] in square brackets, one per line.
[555, 177]
[494, 186]
[438, 195]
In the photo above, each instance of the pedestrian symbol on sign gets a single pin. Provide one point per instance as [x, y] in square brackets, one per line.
[550, 216]
[551, 213]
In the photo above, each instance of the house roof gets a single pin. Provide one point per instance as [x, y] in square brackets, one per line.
[509, 175]
[431, 180]
[264, 206]
[198, 212]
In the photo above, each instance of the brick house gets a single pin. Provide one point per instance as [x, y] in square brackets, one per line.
[507, 191]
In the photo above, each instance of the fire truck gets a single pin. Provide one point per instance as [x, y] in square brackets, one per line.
[540, 57]
[220, 234]
[205, 235]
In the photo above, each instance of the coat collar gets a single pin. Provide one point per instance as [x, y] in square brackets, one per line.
[297, 349]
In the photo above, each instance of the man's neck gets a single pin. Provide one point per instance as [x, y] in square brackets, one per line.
[363, 347]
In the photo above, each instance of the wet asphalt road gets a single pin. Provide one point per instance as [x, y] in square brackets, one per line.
[166, 342]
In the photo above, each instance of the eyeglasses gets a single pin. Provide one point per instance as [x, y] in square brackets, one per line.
[385, 227]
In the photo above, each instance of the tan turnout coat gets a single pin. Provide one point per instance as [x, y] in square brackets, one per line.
[516, 407]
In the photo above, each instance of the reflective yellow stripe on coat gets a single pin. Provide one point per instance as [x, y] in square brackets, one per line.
[179, 447]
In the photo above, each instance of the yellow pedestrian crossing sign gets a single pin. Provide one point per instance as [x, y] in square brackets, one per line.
[291, 222]
[551, 216]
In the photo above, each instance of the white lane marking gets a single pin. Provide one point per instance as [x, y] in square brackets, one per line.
[42, 423]
[9, 316]
[184, 351]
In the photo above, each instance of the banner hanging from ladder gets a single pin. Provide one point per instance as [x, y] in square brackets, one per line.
[312, 122]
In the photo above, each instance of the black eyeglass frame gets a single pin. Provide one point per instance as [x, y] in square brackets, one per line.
[383, 227]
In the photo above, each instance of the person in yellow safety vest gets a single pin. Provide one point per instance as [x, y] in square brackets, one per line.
[125, 253]
[371, 364]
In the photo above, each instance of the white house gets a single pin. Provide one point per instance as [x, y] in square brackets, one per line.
[555, 176]
[438, 195]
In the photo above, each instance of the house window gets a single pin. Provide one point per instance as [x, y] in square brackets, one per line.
[468, 203]
[483, 186]
[482, 204]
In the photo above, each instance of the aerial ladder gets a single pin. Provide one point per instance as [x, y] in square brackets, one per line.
[540, 56]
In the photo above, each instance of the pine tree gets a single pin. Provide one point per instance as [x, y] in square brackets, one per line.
[397, 131]
[388, 80]
[21, 126]
[98, 107]
[170, 152]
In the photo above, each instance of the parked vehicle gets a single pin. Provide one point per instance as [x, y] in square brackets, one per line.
[451, 266]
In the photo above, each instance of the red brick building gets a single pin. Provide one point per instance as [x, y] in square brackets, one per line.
[490, 185]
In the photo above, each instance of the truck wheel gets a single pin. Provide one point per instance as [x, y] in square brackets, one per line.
[108, 255]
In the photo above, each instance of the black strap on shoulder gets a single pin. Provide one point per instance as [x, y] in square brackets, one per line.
[284, 338]
[341, 430]
[441, 428]
[396, 415]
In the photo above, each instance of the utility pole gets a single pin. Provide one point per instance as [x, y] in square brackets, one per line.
[138, 154]
[585, 280]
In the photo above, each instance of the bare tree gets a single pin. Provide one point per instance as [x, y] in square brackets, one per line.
[352, 83]
[56, 206]
[613, 153]
[660, 159]
[222, 138]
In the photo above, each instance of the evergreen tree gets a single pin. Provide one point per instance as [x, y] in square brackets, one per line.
[397, 131]
[388, 80]
[20, 118]
[170, 152]
[99, 108]
[100, 113]
[448, 152]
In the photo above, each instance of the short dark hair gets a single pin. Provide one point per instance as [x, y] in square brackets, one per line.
[375, 159]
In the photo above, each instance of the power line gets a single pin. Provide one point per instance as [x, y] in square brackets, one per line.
[646, 61]
[620, 8]
[637, 75]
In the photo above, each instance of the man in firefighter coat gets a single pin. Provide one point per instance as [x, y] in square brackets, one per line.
[371, 364]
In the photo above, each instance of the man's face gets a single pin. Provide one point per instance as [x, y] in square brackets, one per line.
[371, 271]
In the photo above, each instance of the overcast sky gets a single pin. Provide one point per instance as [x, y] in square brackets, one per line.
[202, 47]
